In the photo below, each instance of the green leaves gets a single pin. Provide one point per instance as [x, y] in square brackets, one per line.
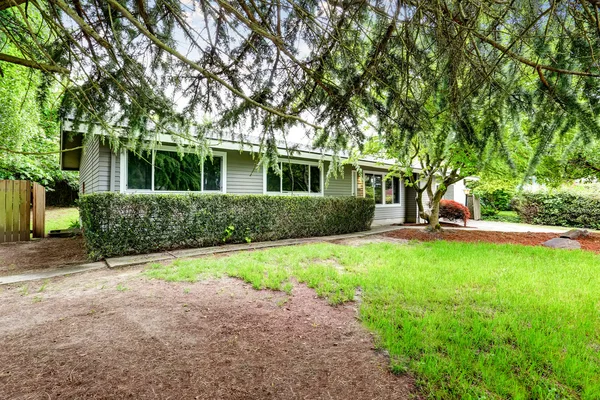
[117, 224]
[561, 208]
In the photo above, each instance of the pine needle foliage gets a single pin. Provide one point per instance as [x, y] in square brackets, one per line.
[341, 69]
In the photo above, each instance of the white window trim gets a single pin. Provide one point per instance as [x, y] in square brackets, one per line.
[302, 162]
[124, 178]
[383, 175]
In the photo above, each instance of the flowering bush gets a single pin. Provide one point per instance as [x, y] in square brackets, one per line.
[452, 210]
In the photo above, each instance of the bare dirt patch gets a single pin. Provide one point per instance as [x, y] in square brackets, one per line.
[112, 334]
[592, 242]
[18, 257]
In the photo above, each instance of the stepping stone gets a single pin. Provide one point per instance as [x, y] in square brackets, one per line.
[575, 234]
[562, 243]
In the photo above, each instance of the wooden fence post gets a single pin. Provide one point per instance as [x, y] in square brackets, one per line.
[3, 212]
[39, 211]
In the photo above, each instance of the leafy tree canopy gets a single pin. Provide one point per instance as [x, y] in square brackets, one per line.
[29, 126]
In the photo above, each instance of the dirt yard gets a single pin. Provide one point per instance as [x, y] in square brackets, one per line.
[592, 242]
[115, 334]
[18, 257]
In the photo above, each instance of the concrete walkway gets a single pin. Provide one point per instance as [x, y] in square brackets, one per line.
[51, 273]
[115, 262]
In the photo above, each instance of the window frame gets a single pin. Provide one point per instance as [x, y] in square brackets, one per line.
[383, 180]
[124, 178]
[292, 193]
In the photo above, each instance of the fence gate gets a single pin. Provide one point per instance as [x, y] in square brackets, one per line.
[16, 199]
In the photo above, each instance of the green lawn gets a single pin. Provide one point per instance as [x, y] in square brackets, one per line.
[475, 321]
[61, 218]
[504, 216]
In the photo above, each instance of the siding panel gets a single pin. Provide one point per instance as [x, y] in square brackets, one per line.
[88, 170]
[242, 177]
[340, 185]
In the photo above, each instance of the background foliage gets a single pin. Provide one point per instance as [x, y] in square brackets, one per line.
[29, 124]
[560, 208]
[116, 224]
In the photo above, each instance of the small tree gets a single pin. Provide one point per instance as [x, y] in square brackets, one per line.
[439, 164]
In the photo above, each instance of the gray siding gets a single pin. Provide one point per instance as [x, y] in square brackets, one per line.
[88, 170]
[242, 176]
[94, 170]
[340, 185]
[389, 212]
[104, 170]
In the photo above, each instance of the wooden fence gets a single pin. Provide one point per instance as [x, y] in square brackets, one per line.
[16, 200]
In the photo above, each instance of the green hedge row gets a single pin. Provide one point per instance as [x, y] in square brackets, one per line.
[118, 224]
[562, 209]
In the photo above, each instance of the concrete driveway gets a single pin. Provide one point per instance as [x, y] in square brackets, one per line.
[497, 226]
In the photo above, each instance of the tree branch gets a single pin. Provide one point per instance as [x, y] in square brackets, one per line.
[35, 153]
[4, 4]
[33, 64]
[203, 71]
[526, 61]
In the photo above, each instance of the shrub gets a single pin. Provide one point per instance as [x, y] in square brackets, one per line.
[452, 210]
[561, 208]
[117, 224]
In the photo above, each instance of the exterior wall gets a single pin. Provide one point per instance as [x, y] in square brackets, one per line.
[88, 170]
[95, 168]
[393, 212]
[340, 186]
[459, 192]
[242, 176]
[104, 168]
[449, 193]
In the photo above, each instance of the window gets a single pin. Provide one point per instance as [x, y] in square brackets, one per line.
[382, 191]
[295, 178]
[165, 170]
[139, 171]
[373, 188]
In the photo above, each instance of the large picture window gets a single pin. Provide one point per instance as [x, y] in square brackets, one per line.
[168, 171]
[295, 178]
[383, 191]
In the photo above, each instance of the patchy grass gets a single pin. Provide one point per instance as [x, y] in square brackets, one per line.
[61, 218]
[469, 320]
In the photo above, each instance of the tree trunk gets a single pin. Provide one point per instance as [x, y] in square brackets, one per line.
[434, 217]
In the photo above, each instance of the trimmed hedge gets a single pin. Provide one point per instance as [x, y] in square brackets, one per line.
[562, 209]
[117, 224]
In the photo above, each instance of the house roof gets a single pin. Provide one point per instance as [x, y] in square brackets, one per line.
[247, 143]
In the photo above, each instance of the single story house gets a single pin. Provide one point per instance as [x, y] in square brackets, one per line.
[234, 170]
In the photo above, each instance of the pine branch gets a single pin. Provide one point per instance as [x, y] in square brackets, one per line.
[526, 61]
[33, 64]
[198, 68]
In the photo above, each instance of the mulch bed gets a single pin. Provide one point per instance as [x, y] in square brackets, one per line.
[592, 242]
[19, 257]
[103, 335]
